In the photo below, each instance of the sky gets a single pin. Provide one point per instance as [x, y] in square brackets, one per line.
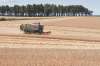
[93, 5]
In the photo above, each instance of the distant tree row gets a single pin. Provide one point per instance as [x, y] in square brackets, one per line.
[44, 10]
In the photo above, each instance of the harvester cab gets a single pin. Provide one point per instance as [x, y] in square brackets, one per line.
[38, 27]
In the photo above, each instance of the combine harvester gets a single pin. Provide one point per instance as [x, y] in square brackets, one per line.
[35, 28]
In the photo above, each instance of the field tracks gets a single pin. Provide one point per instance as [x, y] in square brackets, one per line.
[52, 37]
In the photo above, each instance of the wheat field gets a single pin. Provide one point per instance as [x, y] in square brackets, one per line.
[74, 41]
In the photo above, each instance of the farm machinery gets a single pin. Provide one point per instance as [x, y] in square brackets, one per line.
[35, 28]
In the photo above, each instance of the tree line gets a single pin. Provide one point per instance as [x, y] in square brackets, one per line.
[44, 10]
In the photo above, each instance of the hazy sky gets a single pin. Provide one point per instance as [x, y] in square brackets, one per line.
[93, 5]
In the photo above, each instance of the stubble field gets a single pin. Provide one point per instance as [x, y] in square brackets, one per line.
[74, 41]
